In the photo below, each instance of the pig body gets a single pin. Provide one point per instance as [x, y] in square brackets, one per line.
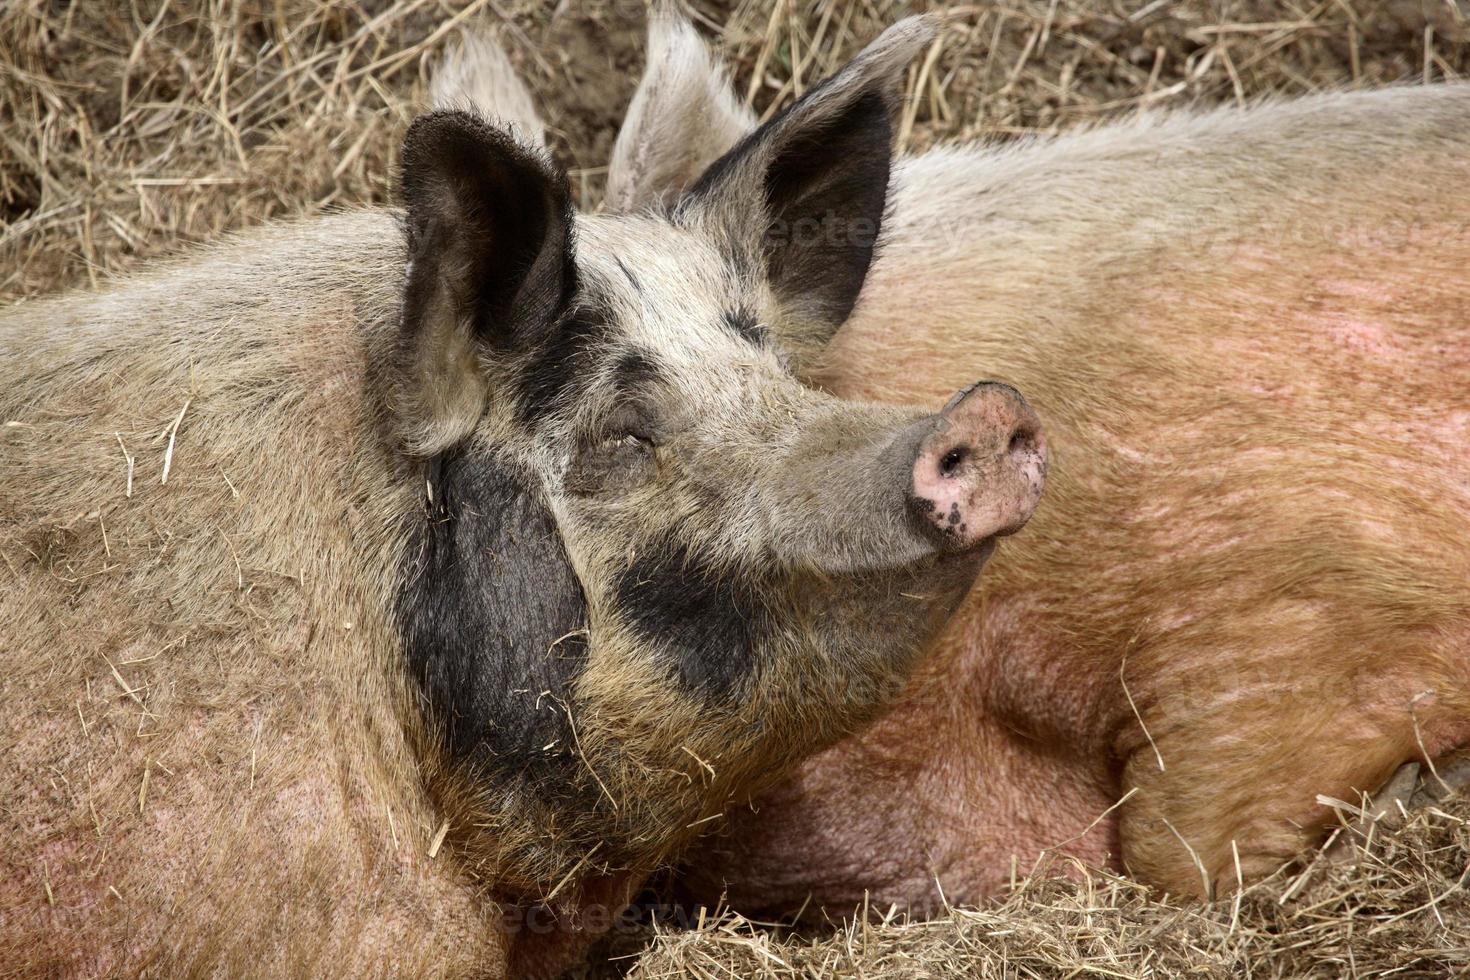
[390, 593]
[203, 744]
[1248, 587]
[1250, 334]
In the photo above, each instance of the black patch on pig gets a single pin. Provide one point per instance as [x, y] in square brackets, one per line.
[493, 621]
[550, 379]
[634, 373]
[632, 279]
[708, 628]
[743, 324]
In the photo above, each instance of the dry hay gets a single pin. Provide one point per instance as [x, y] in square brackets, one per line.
[1398, 908]
[128, 127]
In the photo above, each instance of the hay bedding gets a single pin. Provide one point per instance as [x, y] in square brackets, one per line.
[129, 127]
[1399, 908]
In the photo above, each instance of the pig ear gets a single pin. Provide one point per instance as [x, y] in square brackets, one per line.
[490, 268]
[683, 117]
[803, 196]
[475, 75]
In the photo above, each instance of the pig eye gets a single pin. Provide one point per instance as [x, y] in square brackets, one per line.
[629, 424]
[629, 439]
[618, 458]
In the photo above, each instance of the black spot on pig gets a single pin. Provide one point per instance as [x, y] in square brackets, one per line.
[559, 365]
[708, 627]
[493, 620]
[634, 373]
[743, 324]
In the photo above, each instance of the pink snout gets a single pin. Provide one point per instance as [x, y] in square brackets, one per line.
[980, 473]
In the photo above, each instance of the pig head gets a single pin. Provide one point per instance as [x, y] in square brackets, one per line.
[653, 569]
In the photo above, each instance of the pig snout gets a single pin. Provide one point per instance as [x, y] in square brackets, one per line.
[866, 487]
[980, 471]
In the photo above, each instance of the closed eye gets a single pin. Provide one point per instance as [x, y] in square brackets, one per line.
[629, 439]
[630, 423]
[616, 457]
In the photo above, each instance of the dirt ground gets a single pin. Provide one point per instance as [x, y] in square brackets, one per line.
[129, 128]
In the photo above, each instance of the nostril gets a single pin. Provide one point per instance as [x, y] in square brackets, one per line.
[952, 460]
[1021, 441]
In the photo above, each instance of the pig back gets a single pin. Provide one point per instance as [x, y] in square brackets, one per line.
[1247, 332]
[204, 760]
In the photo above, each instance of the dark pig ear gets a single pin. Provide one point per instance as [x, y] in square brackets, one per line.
[804, 194]
[493, 619]
[490, 267]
